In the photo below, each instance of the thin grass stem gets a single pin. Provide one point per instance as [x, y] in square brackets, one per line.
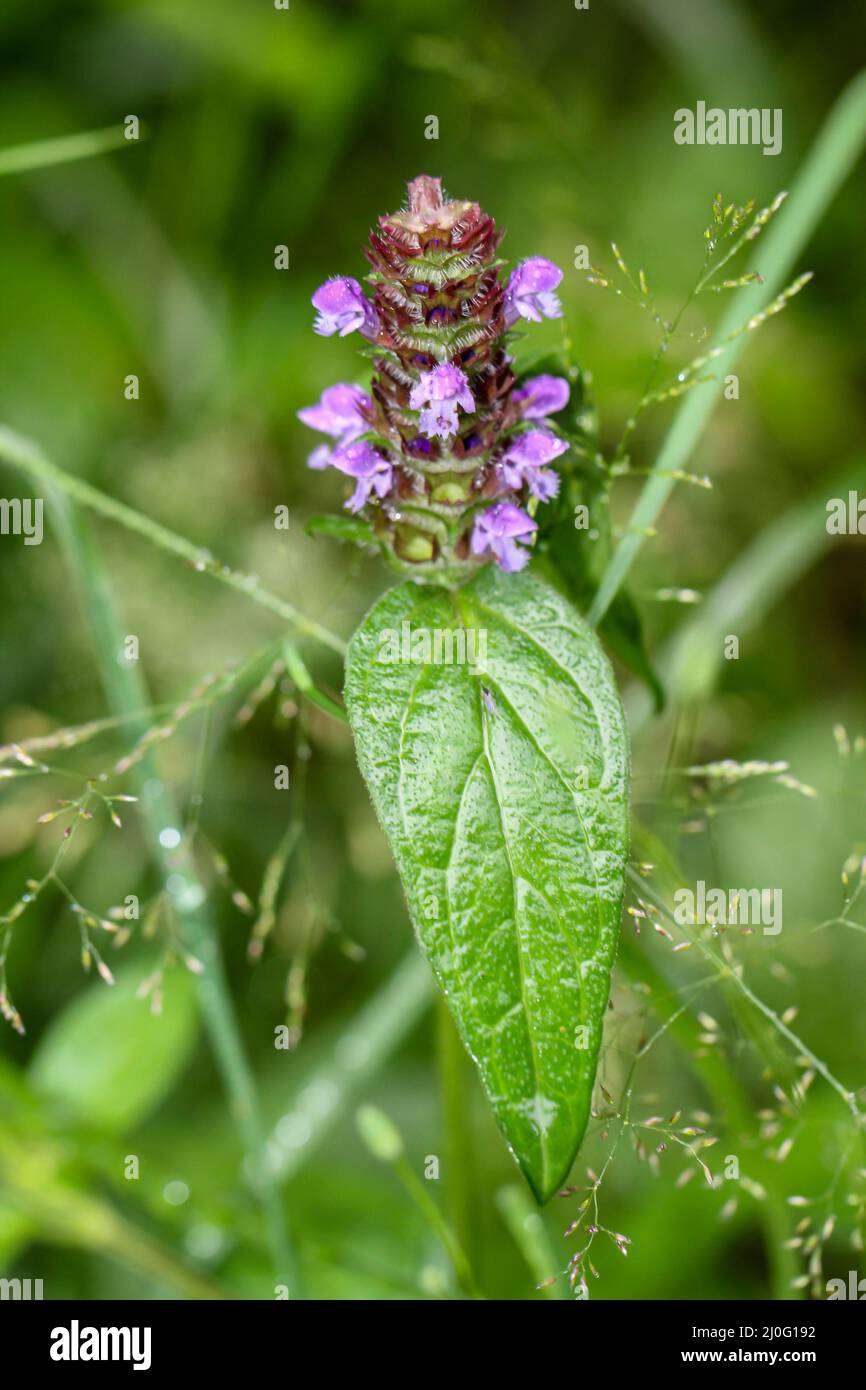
[829, 162]
[126, 695]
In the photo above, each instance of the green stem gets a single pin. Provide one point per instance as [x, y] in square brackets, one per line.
[729, 1100]
[732, 977]
[374, 1033]
[127, 695]
[137, 1249]
[529, 1233]
[23, 454]
[828, 164]
[768, 567]
[459, 1162]
[68, 1216]
[433, 1216]
[42, 154]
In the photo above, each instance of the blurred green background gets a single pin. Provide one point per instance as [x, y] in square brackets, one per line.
[263, 128]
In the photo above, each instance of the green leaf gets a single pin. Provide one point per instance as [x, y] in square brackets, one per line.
[341, 528]
[503, 788]
[108, 1059]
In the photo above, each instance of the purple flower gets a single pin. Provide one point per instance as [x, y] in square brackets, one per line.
[441, 392]
[343, 307]
[529, 292]
[540, 396]
[497, 531]
[338, 412]
[372, 470]
[320, 457]
[525, 460]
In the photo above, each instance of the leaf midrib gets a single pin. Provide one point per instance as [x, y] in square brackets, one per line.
[527, 1011]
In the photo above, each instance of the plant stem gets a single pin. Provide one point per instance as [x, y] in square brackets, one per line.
[433, 1216]
[459, 1161]
[24, 454]
[728, 1098]
[69, 1216]
[770, 565]
[728, 975]
[366, 1043]
[827, 165]
[41, 154]
[529, 1234]
[127, 695]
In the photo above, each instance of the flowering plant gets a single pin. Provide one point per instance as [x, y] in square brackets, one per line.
[445, 451]
[502, 785]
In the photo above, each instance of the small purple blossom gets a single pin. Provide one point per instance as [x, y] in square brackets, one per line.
[540, 396]
[525, 461]
[497, 531]
[437, 395]
[343, 307]
[372, 470]
[320, 457]
[338, 413]
[529, 292]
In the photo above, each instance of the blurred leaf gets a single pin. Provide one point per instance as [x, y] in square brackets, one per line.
[341, 528]
[503, 791]
[111, 1061]
[379, 1133]
[16, 1231]
[42, 154]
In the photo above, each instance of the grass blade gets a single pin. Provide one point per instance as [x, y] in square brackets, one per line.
[127, 695]
[369, 1039]
[772, 562]
[827, 165]
[43, 154]
[24, 454]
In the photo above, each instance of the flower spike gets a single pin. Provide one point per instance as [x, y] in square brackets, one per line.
[436, 450]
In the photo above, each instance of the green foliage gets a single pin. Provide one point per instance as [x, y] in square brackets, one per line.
[156, 258]
[108, 1060]
[503, 789]
[341, 528]
[578, 555]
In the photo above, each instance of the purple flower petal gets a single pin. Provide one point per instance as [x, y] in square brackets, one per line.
[544, 484]
[372, 470]
[529, 292]
[543, 395]
[510, 556]
[497, 531]
[343, 307]
[439, 421]
[525, 459]
[534, 449]
[338, 413]
[437, 394]
[320, 457]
